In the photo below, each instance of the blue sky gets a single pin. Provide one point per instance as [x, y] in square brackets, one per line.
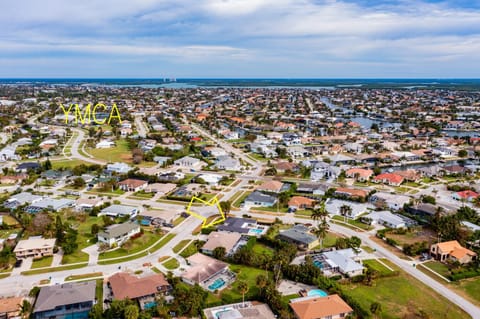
[240, 38]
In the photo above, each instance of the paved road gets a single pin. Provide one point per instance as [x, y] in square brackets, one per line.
[76, 145]
[141, 127]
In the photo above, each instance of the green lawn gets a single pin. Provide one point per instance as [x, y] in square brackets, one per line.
[471, 287]
[352, 222]
[143, 194]
[52, 269]
[329, 240]
[171, 264]
[84, 239]
[244, 273]
[4, 233]
[438, 267]
[84, 276]
[43, 262]
[261, 249]
[121, 152]
[99, 289]
[180, 245]
[10, 221]
[375, 265]
[139, 244]
[190, 250]
[67, 163]
[122, 260]
[240, 199]
[162, 242]
[403, 296]
[178, 220]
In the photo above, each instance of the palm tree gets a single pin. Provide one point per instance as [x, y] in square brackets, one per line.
[345, 210]
[25, 309]
[320, 213]
[321, 231]
[262, 281]
[243, 288]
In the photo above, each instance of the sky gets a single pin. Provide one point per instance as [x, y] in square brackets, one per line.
[240, 39]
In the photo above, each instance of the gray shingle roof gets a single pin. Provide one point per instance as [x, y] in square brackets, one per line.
[60, 295]
[298, 233]
[116, 230]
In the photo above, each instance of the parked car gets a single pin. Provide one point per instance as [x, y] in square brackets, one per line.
[18, 263]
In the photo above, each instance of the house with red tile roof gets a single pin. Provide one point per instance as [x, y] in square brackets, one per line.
[300, 202]
[391, 179]
[466, 195]
[453, 251]
[329, 307]
[350, 192]
[141, 289]
[271, 187]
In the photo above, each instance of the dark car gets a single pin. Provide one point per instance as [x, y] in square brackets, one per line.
[18, 263]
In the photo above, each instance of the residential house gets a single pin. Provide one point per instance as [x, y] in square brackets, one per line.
[87, 204]
[391, 179]
[330, 307]
[260, 199]
[423, 210]
[28, 166]
[237, 225]
[322, 170]
[50, 204]
[343, 261]
[144, 290]
[386, 219]
[133, 185]
[300, 202]
[36, 247]
[227, 163]
[300, 236]
[21, 199]
[283, 167]
[120, 211]
[189, 162]
[10, 307]
[244, 310]
[160, 188]
[312, 188]
[228, 240]
[272, 187]
[117, 234]
[351, 193]
[359, 174]
[466, 195]
[12, 179]
[120, 168]
[394, 202]
[69, 300]
[334, 206]
[410, 175]
[210, 179]
[452, 251]
[202, 268]
[105, 144]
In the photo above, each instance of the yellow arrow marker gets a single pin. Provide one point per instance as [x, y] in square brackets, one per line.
[212, 202]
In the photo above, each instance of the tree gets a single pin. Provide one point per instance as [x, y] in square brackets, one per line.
[370, 275]
[226, 207]
[346, 211]
[95, 229]
[376, 309]
[59, 230]
[47, 165]
[320, 213]
[97, 311]
[262, 281]
[321, 231]
[462, 153]
[25, 309]
[131, 312]
[243, 289]
[78, 182]
[219, 252]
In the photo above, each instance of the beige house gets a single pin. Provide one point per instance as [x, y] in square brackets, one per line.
[453, 251]
[330, 307]
[35, 247]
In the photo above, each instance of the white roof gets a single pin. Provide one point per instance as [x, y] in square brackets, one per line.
[386, 216]
[333, 207]
[343, 259]
[34, 243]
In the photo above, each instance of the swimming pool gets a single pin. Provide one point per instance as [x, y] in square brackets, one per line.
[218, 283]
[150, 305]
[318, 263]
[256, 230]
[316, 293]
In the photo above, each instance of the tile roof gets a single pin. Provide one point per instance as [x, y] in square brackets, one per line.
[320, 307]
[128, 286]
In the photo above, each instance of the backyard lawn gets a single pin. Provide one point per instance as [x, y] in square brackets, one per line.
[121, 152]
[67, 163]
[247, 274]
[261, 249]
[438, 267]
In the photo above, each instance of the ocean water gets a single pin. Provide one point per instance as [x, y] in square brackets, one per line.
[457, 84]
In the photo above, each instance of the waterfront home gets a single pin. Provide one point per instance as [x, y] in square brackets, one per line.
[350, 193]
[391, 179]
[394, 202]
[359, 174]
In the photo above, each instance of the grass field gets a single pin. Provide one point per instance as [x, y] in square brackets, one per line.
[178, 220]
[403, 296]
[139, 244]
[84, 276]
[121, 152]
[329, 240]
[247, 274]
[262, 249]
[84, 239]
[9, 221]
[240, 199]
[67, 163]
[171, 264]
[189, 250]
[352, 222]
[438, 267]
[180, 245]
[470, 287]
[52, 269]
[377, 266]
[43, 262]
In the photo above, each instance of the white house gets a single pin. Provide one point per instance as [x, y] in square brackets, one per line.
[189, 162]
[120, 168]
[105, 144]
[386, 219]
[118, 233]
[120, 211]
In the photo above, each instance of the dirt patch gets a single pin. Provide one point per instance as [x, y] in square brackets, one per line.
[126, 158]
[415, 236]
